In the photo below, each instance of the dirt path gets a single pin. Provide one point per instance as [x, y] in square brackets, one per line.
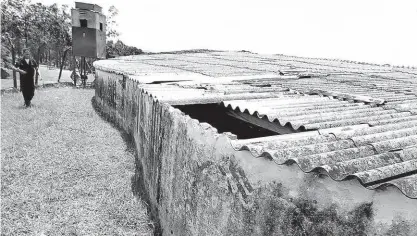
[64, 170]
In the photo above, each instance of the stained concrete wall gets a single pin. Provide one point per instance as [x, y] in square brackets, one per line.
[197, 184]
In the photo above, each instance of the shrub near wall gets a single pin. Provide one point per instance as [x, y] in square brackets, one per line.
[197, 184]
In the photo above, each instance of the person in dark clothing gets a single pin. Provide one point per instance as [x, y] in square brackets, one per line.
[27, 68]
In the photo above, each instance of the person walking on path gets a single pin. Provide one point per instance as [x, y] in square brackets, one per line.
[28, 69]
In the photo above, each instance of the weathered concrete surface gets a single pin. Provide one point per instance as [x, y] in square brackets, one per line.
[198, 184]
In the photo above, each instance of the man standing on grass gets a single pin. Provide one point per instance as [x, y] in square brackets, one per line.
[27, 68]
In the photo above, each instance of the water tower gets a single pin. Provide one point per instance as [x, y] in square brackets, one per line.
[88, 33]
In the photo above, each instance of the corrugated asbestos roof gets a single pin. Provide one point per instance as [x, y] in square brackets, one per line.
[313, 112]
[352, 120]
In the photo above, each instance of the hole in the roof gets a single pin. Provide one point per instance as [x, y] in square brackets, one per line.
[219, 117]
[262, 85]
[166, 81]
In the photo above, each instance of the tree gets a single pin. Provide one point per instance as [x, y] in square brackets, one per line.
[63, 38]
[63, 61]
[40, 28]
[12, 30]
[5, 61]
[111, 24]
[120, 49]
[41, 33]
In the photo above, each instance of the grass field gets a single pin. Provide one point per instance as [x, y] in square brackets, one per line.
[64, 170]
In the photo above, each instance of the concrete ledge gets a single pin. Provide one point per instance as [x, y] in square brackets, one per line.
[198, 184]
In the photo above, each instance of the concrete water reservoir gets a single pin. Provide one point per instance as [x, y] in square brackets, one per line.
[236, 143]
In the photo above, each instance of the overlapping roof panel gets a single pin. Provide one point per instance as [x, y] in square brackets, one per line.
[377, 156]
[374, 144]
[350, 120]
[313, 112]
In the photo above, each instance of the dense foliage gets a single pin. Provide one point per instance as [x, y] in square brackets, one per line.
[118, 48]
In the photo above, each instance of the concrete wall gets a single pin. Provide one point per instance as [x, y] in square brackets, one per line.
[84, 42]
[90, 16]
[197, 184]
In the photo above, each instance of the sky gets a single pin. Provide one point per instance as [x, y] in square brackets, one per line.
[377, 31]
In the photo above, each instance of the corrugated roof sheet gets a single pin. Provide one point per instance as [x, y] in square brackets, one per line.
[312, 112]
[377, 156]
[354, 120]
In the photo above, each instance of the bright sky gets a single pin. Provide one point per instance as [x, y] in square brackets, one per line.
[379, 31]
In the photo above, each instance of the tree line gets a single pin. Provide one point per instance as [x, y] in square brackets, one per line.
[46, 31]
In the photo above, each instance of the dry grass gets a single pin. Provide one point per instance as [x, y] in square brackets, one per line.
[64, 170]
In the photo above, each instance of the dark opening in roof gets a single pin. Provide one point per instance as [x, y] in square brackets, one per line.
[217, 116]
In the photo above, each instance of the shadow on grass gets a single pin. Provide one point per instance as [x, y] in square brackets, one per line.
[137, 180]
